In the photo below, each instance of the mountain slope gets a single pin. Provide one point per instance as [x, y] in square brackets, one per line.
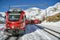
[2, 17]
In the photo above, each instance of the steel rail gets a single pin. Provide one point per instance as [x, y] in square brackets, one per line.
[48, 31]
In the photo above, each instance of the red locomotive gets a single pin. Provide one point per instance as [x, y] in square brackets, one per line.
[15, 22]
[36, 21]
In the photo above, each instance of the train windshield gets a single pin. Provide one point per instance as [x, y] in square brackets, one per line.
[13, 16]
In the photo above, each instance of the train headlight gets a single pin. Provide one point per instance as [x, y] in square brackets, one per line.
[22, 25]
[8, 28]
[12, 26]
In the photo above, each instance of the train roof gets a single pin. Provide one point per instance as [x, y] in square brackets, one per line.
[14, 10]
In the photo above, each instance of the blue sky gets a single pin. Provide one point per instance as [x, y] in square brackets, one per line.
[4, 4]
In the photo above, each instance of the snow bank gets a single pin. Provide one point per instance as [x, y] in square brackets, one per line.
[2, 25]
[51, 23]
[2, 15]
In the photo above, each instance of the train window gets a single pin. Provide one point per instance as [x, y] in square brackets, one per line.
[13, 17]
[24, 17]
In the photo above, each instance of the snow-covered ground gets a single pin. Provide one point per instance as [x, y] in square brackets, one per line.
[2, 25]
[2, 36]
[51, 25]
[32, 33]
[37, 35]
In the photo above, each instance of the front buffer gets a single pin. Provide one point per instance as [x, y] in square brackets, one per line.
[14, 32]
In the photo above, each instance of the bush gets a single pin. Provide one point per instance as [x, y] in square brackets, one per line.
[53, 18]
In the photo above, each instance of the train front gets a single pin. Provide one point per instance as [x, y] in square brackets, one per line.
[15, 22]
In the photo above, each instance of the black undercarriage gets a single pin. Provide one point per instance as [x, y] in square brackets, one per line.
[14, 32]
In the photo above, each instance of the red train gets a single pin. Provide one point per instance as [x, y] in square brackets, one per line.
[15, 22]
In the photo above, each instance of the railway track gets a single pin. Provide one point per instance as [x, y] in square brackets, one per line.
[8, 38]
[50, 31]
[13, 38]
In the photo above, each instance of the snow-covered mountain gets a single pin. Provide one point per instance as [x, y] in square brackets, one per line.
[52, 10]
[2, 17]
[33, 13]
[36, 13]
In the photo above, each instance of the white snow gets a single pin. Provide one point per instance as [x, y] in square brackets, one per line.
[2, 19]
[33, 13]
[2, 25]
[37, 35]
[51, 25]
[52, 10]
[3, 13]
